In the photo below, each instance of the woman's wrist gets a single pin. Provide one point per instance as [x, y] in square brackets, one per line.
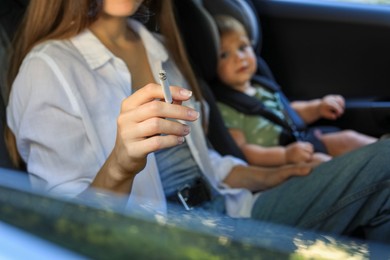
[113, 177]
[285, 158]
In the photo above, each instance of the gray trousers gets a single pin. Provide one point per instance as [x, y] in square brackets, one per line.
[349, 195]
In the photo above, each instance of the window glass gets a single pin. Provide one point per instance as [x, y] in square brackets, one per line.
[364, 1]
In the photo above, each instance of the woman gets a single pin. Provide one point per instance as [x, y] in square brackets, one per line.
[86, 112]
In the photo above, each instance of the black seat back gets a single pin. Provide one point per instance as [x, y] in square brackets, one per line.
[4, 157]
[11, 12]
[4, 44]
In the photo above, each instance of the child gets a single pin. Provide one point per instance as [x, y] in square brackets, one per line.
[269, 137]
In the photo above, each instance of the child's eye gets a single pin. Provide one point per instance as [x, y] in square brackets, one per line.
[243, 47]
[223, 55]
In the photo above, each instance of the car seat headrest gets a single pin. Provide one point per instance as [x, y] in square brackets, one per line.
[200, 36]
[243, 11]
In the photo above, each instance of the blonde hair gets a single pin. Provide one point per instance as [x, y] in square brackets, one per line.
[227, 24]
[62, 19]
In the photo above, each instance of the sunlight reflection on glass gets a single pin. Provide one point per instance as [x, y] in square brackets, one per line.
[330, 249]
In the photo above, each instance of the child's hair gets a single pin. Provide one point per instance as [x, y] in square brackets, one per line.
[227, 24]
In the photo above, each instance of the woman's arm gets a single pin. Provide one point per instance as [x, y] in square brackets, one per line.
[59, 143]
[259, 178]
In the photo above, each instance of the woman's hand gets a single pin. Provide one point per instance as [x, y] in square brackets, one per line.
[319, 158]
[144, 127]
[262, 178]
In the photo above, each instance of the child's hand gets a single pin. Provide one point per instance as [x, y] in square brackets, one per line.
[331, 106]
[299, 152]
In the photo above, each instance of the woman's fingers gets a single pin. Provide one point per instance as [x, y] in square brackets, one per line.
[137, 140]
[154, 126]
[154, 91]
[143, 147]
[147, 124]
[279, 175]
[157, 108]
[301, 169]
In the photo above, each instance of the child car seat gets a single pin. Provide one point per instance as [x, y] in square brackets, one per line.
[244, 11]
[204, 55]
[201, 39]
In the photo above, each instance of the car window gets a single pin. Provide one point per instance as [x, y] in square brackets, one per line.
[79, 229]
[364, 1]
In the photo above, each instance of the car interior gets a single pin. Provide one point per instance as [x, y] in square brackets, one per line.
[306, 48]
[320, 47]
[204, 57]
[352, 81]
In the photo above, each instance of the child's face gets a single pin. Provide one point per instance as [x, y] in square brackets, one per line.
[237, 60]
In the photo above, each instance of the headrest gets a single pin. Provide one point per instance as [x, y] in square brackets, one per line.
[242, 10]
[200, 36]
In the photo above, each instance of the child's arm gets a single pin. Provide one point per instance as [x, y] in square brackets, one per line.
[273, 156]
[329, 107]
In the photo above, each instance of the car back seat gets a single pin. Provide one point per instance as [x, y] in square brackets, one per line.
[11, 12]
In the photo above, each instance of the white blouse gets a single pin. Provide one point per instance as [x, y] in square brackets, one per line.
[63, 109]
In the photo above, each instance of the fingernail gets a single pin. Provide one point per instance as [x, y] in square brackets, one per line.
[187, 130]
[185, 92]
[180, 140]
[194, 114]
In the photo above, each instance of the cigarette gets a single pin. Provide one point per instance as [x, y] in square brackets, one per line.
[165, 85]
